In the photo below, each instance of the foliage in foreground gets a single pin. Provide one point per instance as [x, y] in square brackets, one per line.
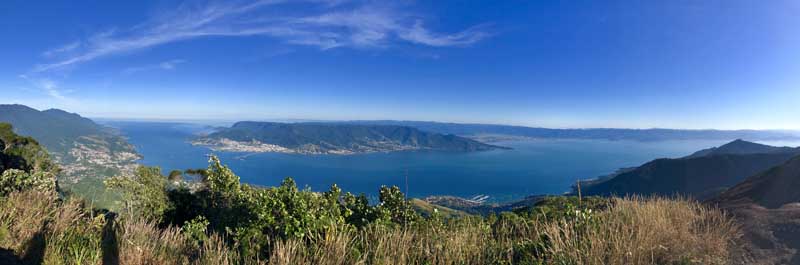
[24, 164]
[221, 221]
[632, 231]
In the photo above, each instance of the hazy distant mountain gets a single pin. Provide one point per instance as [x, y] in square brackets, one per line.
[56, 129]
[740, 147]
[333, 138]
[82, 147]
[491, 131]
[701, 175]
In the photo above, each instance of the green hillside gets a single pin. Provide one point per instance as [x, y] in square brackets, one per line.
[702, 175]
[86, 152]
[24, 163]
[345, 138]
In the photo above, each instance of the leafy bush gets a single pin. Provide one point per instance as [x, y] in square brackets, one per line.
[196, 230]
[394, 204]
[24, 164]
[358, 212]
[13, 180]
[145, 193]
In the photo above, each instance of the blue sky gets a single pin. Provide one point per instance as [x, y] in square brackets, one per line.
[638, 64]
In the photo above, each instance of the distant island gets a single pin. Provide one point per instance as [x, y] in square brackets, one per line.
[333, 138]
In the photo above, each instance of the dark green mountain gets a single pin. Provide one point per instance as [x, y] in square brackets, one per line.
[767, 207]
[338, 138]
[23, 153]
[700, 176]
[773, 188]
[85, 150]
[55, 129]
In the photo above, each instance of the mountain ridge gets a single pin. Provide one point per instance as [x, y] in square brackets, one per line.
[84, 149]
[502, 132]
[767, 207]
[740, 146]
[334, 138]
[701, 175]
[772, 188]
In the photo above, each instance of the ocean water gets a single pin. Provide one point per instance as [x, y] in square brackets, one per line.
[531, 167]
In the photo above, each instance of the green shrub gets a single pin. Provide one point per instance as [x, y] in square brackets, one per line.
[358, 212]
[24, 164]
[145, 194]
[195, 230]
[394, 204]
[13, 180]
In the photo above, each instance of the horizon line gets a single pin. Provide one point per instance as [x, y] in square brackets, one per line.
[303, 120]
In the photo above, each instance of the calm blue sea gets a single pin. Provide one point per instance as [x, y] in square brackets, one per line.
[532, 167]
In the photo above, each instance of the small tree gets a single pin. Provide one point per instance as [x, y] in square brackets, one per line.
[394, 202]
[145, 193]
[220, 180]
[175, 176]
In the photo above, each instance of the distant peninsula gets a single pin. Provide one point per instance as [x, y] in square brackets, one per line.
[333, 138]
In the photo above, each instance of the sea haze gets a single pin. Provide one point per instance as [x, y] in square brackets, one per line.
[531, 167]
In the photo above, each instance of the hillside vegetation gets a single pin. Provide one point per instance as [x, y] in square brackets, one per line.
[334, 138]
[86, 152]
[700, 175]
[218, 220]
[766, 206]
[24, 164]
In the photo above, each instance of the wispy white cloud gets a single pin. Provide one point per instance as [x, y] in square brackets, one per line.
[62, 49]
[171, 64]
[372, 26]
[332, 24]
[49, 87]
[421, 35]
[166, 65]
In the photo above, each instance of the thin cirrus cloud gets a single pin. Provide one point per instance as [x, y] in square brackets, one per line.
[49, 87]
[63, 49]
[333, 24]
[166, 65]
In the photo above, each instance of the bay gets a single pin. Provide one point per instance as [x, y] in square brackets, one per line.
[531, 167]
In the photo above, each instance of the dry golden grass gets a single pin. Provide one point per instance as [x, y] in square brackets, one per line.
[630, 231]
[141, 242]
[23, 217]
[652, 231]
[215, 252]
[74, 235]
